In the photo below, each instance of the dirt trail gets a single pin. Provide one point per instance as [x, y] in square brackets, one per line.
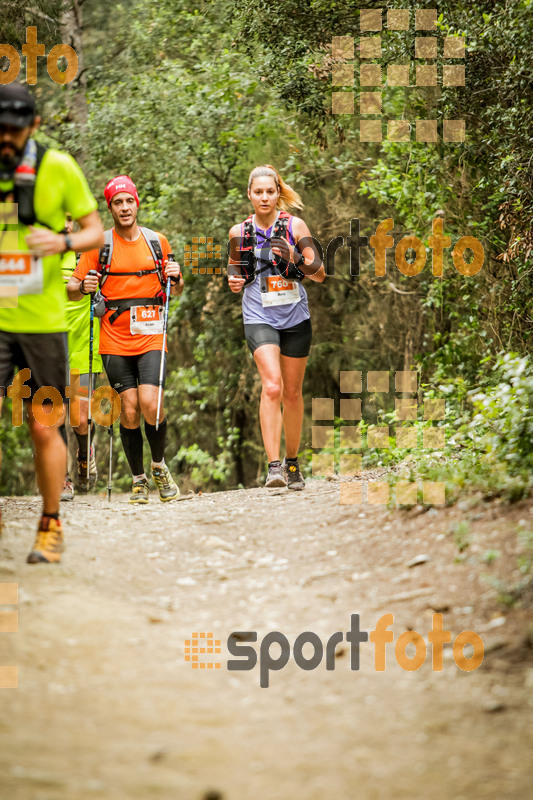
[107, 707]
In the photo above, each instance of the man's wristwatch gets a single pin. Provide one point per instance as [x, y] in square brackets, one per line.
[68, 243]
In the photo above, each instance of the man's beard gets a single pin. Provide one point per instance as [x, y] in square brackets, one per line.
[9, 161]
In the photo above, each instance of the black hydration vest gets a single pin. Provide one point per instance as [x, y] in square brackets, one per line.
[248, 259]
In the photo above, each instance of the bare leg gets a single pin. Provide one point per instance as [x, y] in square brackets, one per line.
[293, 371]
[267, 358]
[50, 461]
[83, 428]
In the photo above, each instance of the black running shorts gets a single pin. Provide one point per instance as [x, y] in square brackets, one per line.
[294, 342]
[128, 372]
[44, 354]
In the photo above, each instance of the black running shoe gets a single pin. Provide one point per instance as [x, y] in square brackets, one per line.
[82, 485]
[293, 475]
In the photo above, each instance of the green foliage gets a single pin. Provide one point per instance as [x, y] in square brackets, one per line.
[16, 456]
[489, 556]
[188, 96]
[518, 592]
[503, 418]
[461, 535]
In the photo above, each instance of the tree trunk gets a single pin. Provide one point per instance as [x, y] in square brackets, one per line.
[76, 102]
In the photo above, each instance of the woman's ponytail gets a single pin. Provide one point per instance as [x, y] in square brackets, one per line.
[288, 198]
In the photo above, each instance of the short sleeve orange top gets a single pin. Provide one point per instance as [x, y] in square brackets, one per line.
[115, 338]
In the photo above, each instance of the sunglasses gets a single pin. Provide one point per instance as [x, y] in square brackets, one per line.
[16, 105]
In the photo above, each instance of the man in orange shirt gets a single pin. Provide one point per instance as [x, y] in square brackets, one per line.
[131, 272]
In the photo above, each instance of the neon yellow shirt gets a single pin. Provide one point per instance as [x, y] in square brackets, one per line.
[78, 321]
[60, 189]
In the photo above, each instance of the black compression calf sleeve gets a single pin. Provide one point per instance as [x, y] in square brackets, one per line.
[132, 442]
[82, 443]
[156, 440]
[63, 432]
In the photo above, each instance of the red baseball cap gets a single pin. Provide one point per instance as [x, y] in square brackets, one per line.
[122, 183]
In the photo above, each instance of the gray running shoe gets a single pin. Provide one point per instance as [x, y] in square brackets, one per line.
[295, 480]
[276, 475]
[67, 492]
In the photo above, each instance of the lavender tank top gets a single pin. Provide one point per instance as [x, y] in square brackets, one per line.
[278, 317]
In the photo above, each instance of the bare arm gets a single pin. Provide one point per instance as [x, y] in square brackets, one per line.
[90, 284]
[235, 281]
[43, 242]
[173, 270]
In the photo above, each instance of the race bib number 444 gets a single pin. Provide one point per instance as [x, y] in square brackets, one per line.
[21, 269]
[280, 292]
[146, 320]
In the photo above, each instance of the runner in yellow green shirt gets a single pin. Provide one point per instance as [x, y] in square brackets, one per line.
[45, 184]
[78, 315]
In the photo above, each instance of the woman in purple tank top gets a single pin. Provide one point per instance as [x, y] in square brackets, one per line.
[270, 254]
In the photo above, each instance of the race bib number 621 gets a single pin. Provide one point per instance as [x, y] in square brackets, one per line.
[146, 320]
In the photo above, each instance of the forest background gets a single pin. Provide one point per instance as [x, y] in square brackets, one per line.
[186, 97]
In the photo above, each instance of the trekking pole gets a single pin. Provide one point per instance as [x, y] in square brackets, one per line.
[162, 364]
[110, 476]
[89, 412]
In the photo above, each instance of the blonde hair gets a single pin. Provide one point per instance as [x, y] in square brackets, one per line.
[288, 198]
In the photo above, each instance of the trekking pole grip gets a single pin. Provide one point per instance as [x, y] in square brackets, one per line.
[92, 272]
[173, 280]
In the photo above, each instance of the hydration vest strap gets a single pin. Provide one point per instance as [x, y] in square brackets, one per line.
[281, 226]
[120, 306]
[152, 240]
[105, 255]
[247, 249]
[24, 193]
[139, 273]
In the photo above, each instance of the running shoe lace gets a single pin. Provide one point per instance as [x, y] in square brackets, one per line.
[161, 477]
